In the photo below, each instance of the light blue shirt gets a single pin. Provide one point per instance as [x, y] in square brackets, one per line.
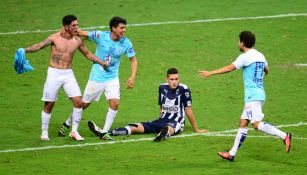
[108, 50]
[253, 63]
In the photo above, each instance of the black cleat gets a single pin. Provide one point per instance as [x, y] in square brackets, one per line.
[94, 128]
[63, 130]
[162, 135]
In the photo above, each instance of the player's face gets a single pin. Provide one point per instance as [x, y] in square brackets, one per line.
[120, 30]
[173, 80]
[72, 28]
[241, 45]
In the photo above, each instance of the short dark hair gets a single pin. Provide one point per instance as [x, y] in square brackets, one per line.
[68, 19]
[171, 71]
[248, 38]
[116, 20]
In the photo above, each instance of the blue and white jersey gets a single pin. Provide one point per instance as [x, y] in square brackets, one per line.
[173, 102]
[253, 63]
[108, 50]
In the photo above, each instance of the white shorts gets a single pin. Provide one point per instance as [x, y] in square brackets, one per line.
[93, 90]
[253, 111]
[57, 78]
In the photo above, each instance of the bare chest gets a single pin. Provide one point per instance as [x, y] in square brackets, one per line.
[62, 45]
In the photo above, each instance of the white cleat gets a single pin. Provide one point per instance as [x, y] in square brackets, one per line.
[76, 136]
[44, 137]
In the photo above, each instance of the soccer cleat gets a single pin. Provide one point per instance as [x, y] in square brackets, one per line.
[94, 128]
[63, 130]
[44, 137]
[226, 155]
[164, 134]
[75, 136]
[287, 142]
[105, 136]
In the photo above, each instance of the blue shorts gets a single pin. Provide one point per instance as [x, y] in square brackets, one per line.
[156, 125]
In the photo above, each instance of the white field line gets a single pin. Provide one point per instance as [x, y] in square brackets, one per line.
[167, 22]
[210, 134]
[301, 65]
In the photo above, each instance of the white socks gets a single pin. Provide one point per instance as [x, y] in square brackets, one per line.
[271, 130]
[68, 122]
[128, 129]
[76, 117]
[241, 135]
[45, 123]
[109, 120]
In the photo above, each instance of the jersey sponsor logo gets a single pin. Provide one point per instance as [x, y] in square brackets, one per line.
[170, 109]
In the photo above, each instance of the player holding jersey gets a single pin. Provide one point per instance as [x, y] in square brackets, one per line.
[254, 66]
[175, 103]
[63, 45]
[110, 47]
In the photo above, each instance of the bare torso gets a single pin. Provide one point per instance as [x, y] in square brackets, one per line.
[63, 50]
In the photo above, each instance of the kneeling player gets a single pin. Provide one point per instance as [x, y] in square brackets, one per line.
[175, 102]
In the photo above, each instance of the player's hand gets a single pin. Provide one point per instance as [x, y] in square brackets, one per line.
[130, 82]
[105, 64]
[203, 74]
[201, 131]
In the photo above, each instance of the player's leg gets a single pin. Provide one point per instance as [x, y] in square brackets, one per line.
[76, 118]
[92, 92]
[51, 88]
[137, 128]
[112, 93]
[241, 134]
[168, 129]
[46, 115]
[73, 91]
[269, 129]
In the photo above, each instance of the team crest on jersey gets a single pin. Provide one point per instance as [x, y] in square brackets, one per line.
[95, 35]
[177, 91]
[131, 50]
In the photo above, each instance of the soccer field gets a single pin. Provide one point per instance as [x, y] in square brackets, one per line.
[189, 35]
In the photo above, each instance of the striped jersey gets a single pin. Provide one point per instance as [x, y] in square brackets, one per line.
[173, 102]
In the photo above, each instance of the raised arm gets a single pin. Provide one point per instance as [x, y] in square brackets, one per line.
[134, 65]
[189, 113]
[225, 69]
[91, 56]
[82, 33]
[38, 46]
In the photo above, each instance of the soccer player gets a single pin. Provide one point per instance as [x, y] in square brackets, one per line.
[254, 66]
[63, 47]
[110, 47]
[175, 102]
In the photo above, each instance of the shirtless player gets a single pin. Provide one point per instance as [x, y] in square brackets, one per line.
[63, 47]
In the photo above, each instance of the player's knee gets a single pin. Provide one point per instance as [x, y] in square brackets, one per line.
[78, 104]
[255, 125]
[114, 104]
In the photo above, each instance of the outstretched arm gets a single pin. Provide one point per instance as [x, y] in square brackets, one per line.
[38, 46]
[226, 69]
[82, 33]
[91, 56]
[134, 65]
[189, 113]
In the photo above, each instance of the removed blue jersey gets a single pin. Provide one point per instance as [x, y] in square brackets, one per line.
[253, 63]
[173, 102]
[111, 51]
